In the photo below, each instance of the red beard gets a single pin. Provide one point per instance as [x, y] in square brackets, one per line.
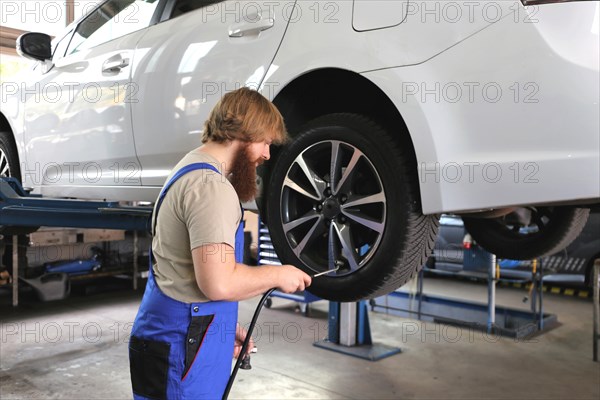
[243, 175]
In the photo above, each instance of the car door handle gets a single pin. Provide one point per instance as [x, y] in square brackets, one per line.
[115, 64]
[251, 29]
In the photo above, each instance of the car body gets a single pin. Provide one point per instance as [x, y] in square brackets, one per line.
[398, 111]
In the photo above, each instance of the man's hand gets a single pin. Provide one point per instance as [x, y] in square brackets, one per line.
[291, 279]
[240, 336]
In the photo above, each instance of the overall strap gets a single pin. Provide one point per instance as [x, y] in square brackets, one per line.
[174, 178]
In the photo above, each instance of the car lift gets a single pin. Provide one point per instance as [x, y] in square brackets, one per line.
[19, 209]
[350, 333]
[485, 317]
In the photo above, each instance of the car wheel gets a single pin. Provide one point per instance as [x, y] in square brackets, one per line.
[9, 167]
[343, 193]
[528, 233]
[9, 161]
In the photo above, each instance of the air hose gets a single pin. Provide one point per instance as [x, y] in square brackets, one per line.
[244, 350]
[261, 303]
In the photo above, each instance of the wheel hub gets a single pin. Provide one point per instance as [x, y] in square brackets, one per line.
[331, 208]
[4, 166]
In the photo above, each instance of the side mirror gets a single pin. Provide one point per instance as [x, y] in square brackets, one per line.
[35, 46]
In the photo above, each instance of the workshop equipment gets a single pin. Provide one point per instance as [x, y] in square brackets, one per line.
[486, 317]
[20, 209]
[50, 286]
[350, 333]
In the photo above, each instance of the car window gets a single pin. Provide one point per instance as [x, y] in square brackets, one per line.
[184, 6]
[112, 20]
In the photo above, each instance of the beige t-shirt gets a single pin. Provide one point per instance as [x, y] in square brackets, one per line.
[201, 208]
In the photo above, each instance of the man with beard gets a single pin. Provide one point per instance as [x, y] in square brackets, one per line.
[186, 330]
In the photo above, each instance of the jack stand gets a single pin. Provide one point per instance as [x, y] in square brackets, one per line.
[537, 292]
[350, 333]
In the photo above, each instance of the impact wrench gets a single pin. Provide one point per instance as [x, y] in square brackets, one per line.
[244, 358]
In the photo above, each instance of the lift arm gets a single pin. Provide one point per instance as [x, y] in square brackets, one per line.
[19, 209]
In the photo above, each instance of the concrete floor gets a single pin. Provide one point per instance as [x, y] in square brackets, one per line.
[77, 348]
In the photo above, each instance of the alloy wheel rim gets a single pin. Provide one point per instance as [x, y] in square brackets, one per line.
[333, 207]
[4, 165]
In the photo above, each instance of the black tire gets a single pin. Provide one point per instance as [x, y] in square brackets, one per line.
[9, 167]
[550, 230]
[376, 259]
[9, 159]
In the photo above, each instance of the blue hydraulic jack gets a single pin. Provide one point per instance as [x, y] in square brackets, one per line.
[19, 209]
[350, 333]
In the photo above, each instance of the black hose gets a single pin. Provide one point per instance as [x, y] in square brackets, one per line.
[246, 343]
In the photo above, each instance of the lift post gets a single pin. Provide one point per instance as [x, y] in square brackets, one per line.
[350, 333]
[19, 209]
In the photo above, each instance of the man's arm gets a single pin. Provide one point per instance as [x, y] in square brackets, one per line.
[219, 277]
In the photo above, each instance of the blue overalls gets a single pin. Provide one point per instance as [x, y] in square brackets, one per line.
[179, 350]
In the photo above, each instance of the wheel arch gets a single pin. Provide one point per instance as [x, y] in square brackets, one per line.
[333, 90]
[4, 124]
[6, 127]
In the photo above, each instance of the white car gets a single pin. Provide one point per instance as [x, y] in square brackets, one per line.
[399, 111]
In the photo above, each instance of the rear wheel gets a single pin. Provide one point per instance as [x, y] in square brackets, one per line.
[343, 194]
[9, 168]
[528, 233]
